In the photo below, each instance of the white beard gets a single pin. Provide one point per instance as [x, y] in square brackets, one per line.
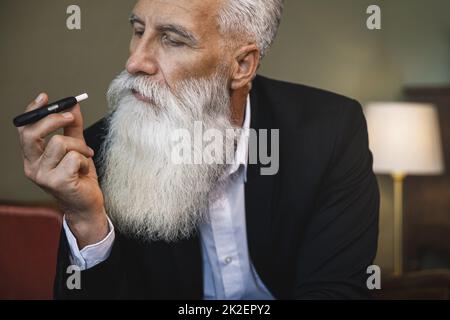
[146, 194]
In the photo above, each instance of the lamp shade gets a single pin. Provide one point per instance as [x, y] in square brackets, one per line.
[404, 138]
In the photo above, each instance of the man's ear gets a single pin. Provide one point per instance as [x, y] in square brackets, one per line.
[245, 64]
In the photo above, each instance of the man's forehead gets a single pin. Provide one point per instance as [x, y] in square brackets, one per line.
[182, 9]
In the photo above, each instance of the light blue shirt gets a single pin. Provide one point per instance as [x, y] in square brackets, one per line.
[228, 272]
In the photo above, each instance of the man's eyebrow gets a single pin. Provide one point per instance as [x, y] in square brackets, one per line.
[135, 19]
[179, 30]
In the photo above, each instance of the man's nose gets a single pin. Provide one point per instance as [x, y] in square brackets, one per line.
[142, 60]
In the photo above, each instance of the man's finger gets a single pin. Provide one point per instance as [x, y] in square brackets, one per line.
[41, 100]
[32, 135]
[73, 163]
[75, 129]
[58, 147]
[49, 124]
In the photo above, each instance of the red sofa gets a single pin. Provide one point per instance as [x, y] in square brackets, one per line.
[29, 238]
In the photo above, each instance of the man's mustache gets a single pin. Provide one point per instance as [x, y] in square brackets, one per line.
[125, 84]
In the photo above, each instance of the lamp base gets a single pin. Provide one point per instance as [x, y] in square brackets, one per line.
[398, 222]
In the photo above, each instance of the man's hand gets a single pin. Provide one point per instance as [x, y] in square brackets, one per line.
[64, 168]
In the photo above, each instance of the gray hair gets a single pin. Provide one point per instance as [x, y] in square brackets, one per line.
[258, 19]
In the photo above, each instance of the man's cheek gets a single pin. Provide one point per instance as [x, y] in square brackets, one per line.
[187, 66]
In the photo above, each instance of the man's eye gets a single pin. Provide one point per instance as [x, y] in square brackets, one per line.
[138, 33]
[167, 40]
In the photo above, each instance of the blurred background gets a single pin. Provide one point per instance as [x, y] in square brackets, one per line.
[321, 43]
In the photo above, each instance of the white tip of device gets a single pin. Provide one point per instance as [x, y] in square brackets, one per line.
[82, 97]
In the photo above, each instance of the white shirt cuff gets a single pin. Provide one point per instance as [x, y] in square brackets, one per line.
[90, 255]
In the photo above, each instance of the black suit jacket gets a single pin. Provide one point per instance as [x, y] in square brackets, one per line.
[312, 228]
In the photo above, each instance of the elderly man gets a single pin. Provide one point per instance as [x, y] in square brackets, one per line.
[139, 225]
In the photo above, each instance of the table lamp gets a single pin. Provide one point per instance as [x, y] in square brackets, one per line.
[405, 140]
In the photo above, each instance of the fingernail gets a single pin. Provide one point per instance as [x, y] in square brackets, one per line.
[67, 115]
[40, 98]
[91, 150]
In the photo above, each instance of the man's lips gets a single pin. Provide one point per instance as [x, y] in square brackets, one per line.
[140, 97]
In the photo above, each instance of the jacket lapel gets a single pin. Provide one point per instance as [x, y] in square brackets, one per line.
[259, 190]
[188, 262]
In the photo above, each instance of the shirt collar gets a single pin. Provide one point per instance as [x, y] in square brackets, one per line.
[240, 157]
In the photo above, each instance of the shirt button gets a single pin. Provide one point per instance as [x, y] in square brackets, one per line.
[228, 260]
